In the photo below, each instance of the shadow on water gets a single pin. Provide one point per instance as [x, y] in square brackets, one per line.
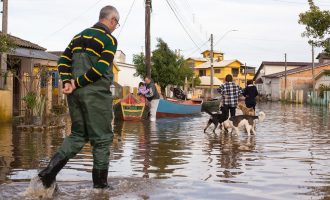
[174, 159]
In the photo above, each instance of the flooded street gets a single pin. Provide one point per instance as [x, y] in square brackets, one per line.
[289, 158]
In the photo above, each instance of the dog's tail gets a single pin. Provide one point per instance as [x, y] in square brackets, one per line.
[207, 111]
[261, 116]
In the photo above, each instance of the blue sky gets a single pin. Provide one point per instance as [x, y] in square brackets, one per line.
[266, 28]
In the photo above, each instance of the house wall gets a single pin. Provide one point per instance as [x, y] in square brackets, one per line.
[302, 80]
[6, 103]
[126, 76]
[325, 80]
[265, 88]
[224, 71]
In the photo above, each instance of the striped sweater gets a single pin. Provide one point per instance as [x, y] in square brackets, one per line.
[96, 41]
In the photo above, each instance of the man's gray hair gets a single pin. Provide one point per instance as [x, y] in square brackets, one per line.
[108, 12]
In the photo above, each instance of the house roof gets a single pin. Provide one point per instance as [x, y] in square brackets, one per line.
[206, 80]
[198, 59]
[33, 53]
[280, 64]
[219, 52]
[58, 53]
[24, 43]
[323, 55]
[222, 63]
[293, 71]
[325, 72]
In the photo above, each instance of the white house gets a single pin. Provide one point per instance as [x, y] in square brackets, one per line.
[126, 74]
[267, 68]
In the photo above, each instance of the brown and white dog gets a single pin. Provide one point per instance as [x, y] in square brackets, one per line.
[244, 121]
[245, 110]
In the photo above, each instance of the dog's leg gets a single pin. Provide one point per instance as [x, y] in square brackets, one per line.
[215, 126]
[236, 131]
[254, 131]
[208, 124]
[248, 129]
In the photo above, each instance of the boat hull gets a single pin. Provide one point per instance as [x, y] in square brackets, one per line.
[131, 108]
[172, 108]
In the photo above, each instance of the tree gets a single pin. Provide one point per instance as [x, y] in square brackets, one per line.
[317, 24]
[167, 68]
[6, 43]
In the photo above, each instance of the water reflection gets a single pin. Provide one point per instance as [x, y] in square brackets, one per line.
[293, 143]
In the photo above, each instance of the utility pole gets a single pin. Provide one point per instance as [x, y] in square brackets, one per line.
[313, 66]
[285, 72]
[212, 70]
[147, 37]
[245, 73]
[3, 68]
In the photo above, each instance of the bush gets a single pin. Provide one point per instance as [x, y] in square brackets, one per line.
[322, 89]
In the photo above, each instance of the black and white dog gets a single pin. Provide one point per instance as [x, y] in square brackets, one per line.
[244, 121]
[216, 119]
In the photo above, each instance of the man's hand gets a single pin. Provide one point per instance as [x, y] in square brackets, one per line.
[67, 88]
[73, 85]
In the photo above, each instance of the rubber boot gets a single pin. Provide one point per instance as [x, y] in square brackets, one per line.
[100, 179]
[48, 175]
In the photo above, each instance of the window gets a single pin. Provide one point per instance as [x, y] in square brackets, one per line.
[259, 87]
[55, 78]
[217, 71]
[191, 64]
[202, 72]
[235, 72]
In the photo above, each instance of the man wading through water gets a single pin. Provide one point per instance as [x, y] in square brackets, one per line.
[86, 71]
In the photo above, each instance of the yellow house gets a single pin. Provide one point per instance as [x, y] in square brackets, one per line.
[115, 70]
[202, 67]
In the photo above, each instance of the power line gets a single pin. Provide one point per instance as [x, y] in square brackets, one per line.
[184, 28]
[71, 21]
[129, 12]
[195, 50]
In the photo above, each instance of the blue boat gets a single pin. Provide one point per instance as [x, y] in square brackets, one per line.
[177, 108]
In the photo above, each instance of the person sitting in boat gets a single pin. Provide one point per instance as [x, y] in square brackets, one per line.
[178, 93]
[142, 89]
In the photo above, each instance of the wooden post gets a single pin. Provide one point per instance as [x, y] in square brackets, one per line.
[285, 70]
[313, 66]
[49, 96]
[3, 63]
[147, 38]
[212, 69]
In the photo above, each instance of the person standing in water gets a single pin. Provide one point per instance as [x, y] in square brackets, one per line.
[86, 71]
[250, 93]
[153, 97]
[230, 93]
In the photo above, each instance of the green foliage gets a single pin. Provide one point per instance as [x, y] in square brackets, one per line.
[6, 43]
[197, 81]
[35, 103]
[323, 88]
[167, 68]
[30, 100]
[39, 108]
[317, 24]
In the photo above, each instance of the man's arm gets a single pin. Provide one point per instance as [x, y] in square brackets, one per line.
[64, 64]
[221, 89]
[97, 71]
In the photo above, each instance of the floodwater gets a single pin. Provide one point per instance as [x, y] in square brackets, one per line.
[289, 158]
